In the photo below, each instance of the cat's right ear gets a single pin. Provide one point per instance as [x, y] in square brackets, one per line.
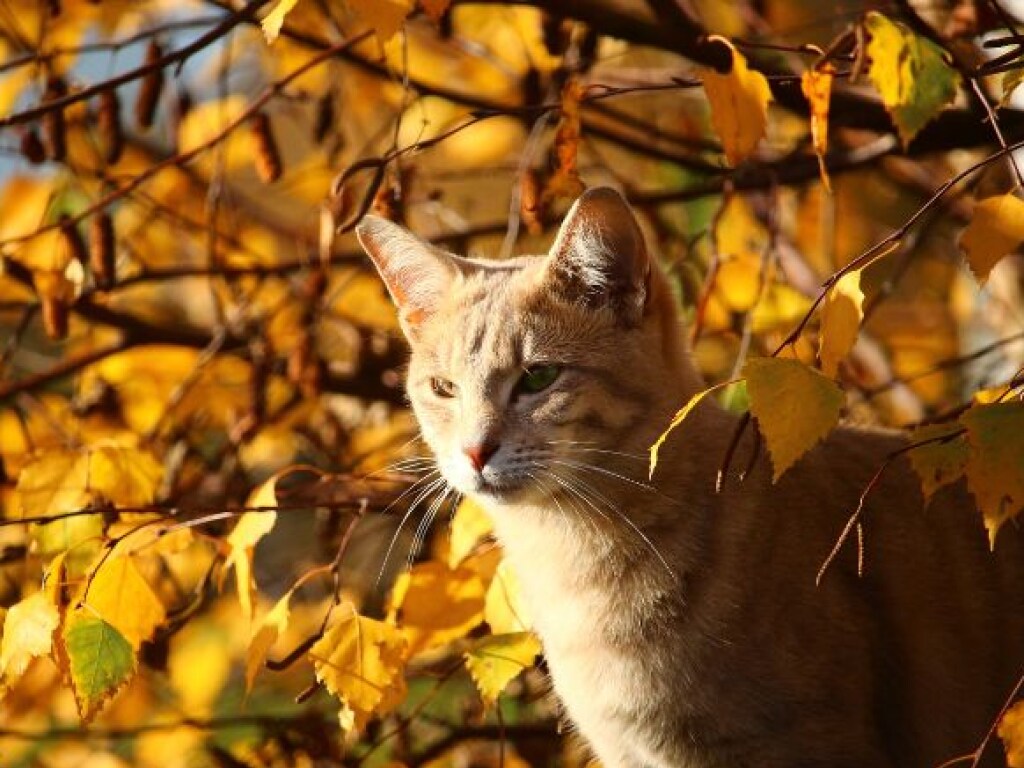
[416, 273]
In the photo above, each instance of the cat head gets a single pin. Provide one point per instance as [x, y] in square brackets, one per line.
[527, 370]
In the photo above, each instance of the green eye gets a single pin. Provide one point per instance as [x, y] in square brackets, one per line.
[538, 379]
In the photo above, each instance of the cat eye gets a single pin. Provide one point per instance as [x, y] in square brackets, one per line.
[442, 387]
[538, 378]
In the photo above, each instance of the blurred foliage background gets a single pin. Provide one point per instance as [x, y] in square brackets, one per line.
[184, 313]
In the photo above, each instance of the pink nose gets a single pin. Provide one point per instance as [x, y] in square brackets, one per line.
[479, 454]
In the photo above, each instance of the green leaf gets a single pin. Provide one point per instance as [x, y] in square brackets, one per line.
[995, 466]
[911, 74]
[100, 660]
[795, 407]
[494, 661]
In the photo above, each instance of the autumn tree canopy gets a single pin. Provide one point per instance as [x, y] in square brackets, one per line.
[220, 540]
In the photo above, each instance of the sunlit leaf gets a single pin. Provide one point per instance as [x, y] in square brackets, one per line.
[435, 604]
[739, 106]
[816, 85]
[250, 528]
[995, 465]
[841, 316]
[494, 661]
[1010, 82]
[505, 609]
[795, 407]
[565, 181]
[678, 419]
[121, 596]
[361, 661]
[274, 20]
[100, 660]
[385, 17]
[469, 527]
[911, 74]
[995, 231]
[28, 633]
[271, 627]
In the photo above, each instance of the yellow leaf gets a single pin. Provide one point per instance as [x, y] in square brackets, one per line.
[251, 527]
[494, 661]
[434, 604]
[995, 231]
[505, 610]
[840, 321]
[1011, 731]
[274, 20]
[201, 661]
[816, 85]
[28, 633]
[795, 407]
[273, 624]
[361, 661]
[469, 527]
[121, 596]
[910, 73]
[995, 464]
[63, 481]
[739, 105]
[385, 17]
[938, 463]
[678, 419]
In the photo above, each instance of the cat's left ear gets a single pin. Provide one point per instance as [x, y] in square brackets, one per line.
[416, 273]
[599, 257]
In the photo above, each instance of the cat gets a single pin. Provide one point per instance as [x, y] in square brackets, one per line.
[683, 626]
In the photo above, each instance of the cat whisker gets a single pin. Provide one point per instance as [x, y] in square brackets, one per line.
[424, 492]
[579, 446]
[610, 473]
[580, 488]
[424, 527]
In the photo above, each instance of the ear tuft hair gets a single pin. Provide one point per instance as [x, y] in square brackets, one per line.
[416, 273]
[599, 257]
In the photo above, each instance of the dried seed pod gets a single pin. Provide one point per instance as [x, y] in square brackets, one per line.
[109, 124]
[55, 317]
[268, 157]
[53, 123]
[151, 87]
[31, 147]
[101, 250]
[71, 238]
[324, 117]
[532, 207]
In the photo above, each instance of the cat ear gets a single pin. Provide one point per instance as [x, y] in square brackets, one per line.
[599, 257]
[416, 273]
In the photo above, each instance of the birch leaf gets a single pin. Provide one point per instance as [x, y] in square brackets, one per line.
[739, 106]
[995, 231]
[100, 660]
[28, 633]
[795, 407]
[251, 527]
[123, 598]
[434, 604]
[840, 322]
[470, 526]
[939, 463]
[995, 465]
[910, 73]
[678, 419]
[272, 627]
[361, 661]
[496, 660]
[505, 609]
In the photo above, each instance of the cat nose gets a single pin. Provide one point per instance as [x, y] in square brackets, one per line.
[479, 454]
